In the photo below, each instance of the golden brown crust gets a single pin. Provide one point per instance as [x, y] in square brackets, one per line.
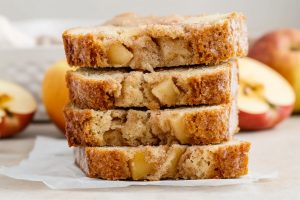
[113, 164]
[212, 86]
[207, 90]
[203, 125]
[228, 160]
[209, 43]
[77, 131]
[90, 93]
[232, 161]
[208, 127]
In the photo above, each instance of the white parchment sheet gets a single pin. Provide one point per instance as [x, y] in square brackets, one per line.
[51, 162]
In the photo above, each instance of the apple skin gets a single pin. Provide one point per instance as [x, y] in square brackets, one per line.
[265, 98]
[261, 121]
[17, 108]
[280, 50]
[55, 94]
[11, 125]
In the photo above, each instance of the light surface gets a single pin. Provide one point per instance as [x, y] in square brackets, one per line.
[276, 149]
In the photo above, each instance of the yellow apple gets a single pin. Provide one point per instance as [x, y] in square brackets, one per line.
[265, 98]
[17, 108]
[280, 50]
[55, 92]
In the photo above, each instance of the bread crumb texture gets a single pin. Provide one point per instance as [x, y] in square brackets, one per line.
[228, 160]
[103, 89]
[146, 43]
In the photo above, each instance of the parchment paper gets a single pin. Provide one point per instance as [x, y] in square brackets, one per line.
[51, 162]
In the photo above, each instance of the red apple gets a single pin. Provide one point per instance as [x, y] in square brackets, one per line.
[280, 50]
[17, 108]
[265, 98]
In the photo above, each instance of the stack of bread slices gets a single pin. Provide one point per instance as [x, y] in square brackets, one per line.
[155, 98]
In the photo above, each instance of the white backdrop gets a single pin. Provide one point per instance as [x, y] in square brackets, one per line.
[263, 15]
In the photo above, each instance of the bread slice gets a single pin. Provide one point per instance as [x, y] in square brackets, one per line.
[146, 43]
[193, 125]
[227, 160]
[102, 90]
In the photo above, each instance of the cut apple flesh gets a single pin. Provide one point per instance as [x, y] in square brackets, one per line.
[261, 87]
[4, 98]
[252, 99]
[15, 99]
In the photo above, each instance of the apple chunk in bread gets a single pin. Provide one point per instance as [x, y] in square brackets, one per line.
[17, 108]
[139, 167]
[177, 123]
[118, 54]
[265, 98]
[166, 92]
[174, 156]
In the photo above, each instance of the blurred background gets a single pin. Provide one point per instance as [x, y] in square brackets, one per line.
[263, 15]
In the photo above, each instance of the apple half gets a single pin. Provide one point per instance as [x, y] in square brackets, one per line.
[17, 108]
[265, 98]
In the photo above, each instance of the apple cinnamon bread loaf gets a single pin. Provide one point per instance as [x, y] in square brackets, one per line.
[227, 160]
[108, 89]
[189, 125]
[146, 43]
